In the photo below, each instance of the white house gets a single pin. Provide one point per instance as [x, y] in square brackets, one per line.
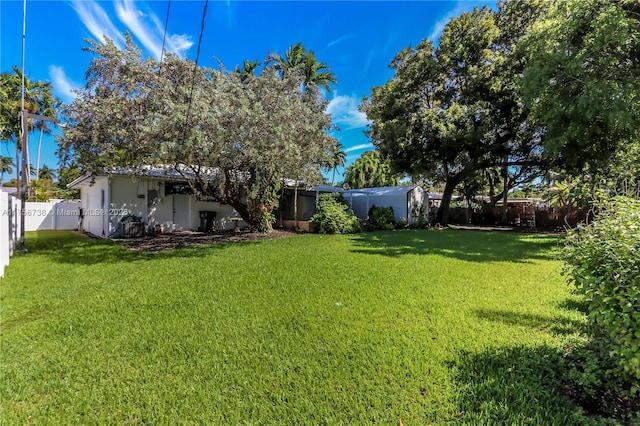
[156, 199]
[407, 201]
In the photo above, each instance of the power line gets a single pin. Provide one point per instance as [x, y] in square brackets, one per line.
[195, 68]
[164, 36]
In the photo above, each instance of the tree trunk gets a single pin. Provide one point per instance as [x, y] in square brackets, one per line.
[258, 214]
[505, 194]
[442, 217]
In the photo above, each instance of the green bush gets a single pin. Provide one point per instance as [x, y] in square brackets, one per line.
[333, 216]
[603, 262]
[381, 217]
[402, 223]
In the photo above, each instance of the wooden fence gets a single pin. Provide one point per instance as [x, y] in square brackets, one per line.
[517, 216]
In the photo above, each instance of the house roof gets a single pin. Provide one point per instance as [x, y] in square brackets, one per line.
[157, 172]
[170, 172]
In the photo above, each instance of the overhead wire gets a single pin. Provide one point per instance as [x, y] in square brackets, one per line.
[195, 67]
[164, 35]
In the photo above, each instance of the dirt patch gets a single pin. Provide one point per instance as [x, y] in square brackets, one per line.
[188, 239]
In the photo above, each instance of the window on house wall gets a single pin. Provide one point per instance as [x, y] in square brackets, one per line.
[177, 188]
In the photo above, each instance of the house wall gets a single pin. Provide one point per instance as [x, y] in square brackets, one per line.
[172, 212]
[159, 209]
[146, 199]
[226, 216]
[124, 200]
[94, 203]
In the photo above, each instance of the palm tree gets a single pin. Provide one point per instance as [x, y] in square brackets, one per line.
[31, 171]
[317, 74]
[248, 69]
[49, 105]
[6, 166]
[293, 59]
[370, 170]
[338, 158]
[297, 60]
[38, 99]
[46, 173]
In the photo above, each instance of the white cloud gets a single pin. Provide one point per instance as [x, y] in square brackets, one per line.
[63, 85]
[146, 28]
[132, 18]
[461, 6]
[97, 21]
[370, 56]
[359, 147]
[344, 111]
[339, 40]
[174, 43]
[179, 44]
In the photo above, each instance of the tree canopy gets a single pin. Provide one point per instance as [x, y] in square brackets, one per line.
[232, 135]
[581, 81]
[453, 110]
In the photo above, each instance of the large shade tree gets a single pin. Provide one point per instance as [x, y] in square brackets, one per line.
[581, 81]
[234, 136]
[453, 110]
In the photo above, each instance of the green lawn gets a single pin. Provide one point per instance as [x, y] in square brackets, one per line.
[417, 327]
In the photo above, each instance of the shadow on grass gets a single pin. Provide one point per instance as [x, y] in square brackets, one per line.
[475, 246]
[519, 385]
[78, 249]
[556, 325]
[579, 305]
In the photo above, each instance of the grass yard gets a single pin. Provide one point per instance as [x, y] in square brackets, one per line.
[418, 327]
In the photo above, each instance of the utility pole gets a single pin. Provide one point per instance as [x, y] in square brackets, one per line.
[23, 122]
[24, 115]
[24, 181]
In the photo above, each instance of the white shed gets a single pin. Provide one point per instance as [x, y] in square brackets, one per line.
[406, 201]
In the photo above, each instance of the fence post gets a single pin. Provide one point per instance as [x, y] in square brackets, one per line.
[5, 236]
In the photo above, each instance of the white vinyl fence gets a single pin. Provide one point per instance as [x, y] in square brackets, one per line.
[52, 215]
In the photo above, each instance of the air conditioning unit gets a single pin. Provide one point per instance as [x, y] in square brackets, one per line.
[131, 229]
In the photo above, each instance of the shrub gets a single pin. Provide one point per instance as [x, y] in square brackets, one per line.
[603, 262]
[402, 223]
[381, 217]
[333, 216]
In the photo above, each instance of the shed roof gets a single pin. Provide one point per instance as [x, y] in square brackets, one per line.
[291, 184]
[382, 191]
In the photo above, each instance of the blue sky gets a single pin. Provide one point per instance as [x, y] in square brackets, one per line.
[357, 39]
